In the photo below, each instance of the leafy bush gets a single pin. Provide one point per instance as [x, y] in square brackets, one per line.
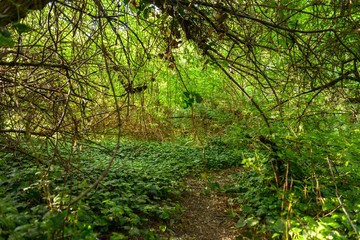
[318, 168]
[141, 185]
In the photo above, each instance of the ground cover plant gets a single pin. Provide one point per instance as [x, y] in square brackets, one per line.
[137, 190]
[137, 199]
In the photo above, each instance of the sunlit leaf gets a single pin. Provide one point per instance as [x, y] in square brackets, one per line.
[252, 221]
[240, 223]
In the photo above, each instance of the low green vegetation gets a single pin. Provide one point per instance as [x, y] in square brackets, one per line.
[316, 198]
[136, 191]
[138, 197]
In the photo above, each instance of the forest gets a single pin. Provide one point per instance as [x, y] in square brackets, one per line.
[179, 119]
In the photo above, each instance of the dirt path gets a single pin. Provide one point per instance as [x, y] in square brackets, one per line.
[209, 214]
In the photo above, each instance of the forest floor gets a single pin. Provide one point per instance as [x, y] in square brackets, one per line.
[209, 212]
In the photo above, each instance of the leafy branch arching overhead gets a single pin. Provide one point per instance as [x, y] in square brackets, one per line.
[284, 49]
[78, 68]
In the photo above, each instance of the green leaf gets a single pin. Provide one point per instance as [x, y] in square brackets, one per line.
[293, 23]
[21, 28]
[118, 236]
[6, 40]
[198, 98]
[134, 231]
[57, 221]
[6, 33]
[162, 228]
[251, 221]
[215, 186]
[146, 13]
[191, 101]
[240, 223]
[187, 94]
[185, 105]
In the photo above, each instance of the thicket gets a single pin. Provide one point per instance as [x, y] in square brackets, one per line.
[271, 85]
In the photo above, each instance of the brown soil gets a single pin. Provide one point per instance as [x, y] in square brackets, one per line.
[209, 213]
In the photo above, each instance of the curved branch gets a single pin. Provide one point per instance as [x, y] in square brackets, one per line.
[241, 89]
[34, 64]
[320, 88]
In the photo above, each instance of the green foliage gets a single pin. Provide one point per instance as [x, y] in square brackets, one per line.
[146, 178]
[139, 187]
[295, 204]
[259, 203]
[6, 39]
[21, 28]
[190, 98]
[221, 153]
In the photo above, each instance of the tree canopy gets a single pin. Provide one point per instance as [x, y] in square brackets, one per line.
[285, 50]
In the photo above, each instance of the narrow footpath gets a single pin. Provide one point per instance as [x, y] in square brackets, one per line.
[209, 212]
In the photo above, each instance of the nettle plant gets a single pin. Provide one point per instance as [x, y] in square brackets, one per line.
[137, 197]
[315, 198]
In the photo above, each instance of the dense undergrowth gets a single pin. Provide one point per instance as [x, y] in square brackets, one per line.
[315, 194]
[138, 198]
[294, 184]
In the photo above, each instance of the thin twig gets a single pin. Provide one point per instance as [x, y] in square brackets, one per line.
[339, 199]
